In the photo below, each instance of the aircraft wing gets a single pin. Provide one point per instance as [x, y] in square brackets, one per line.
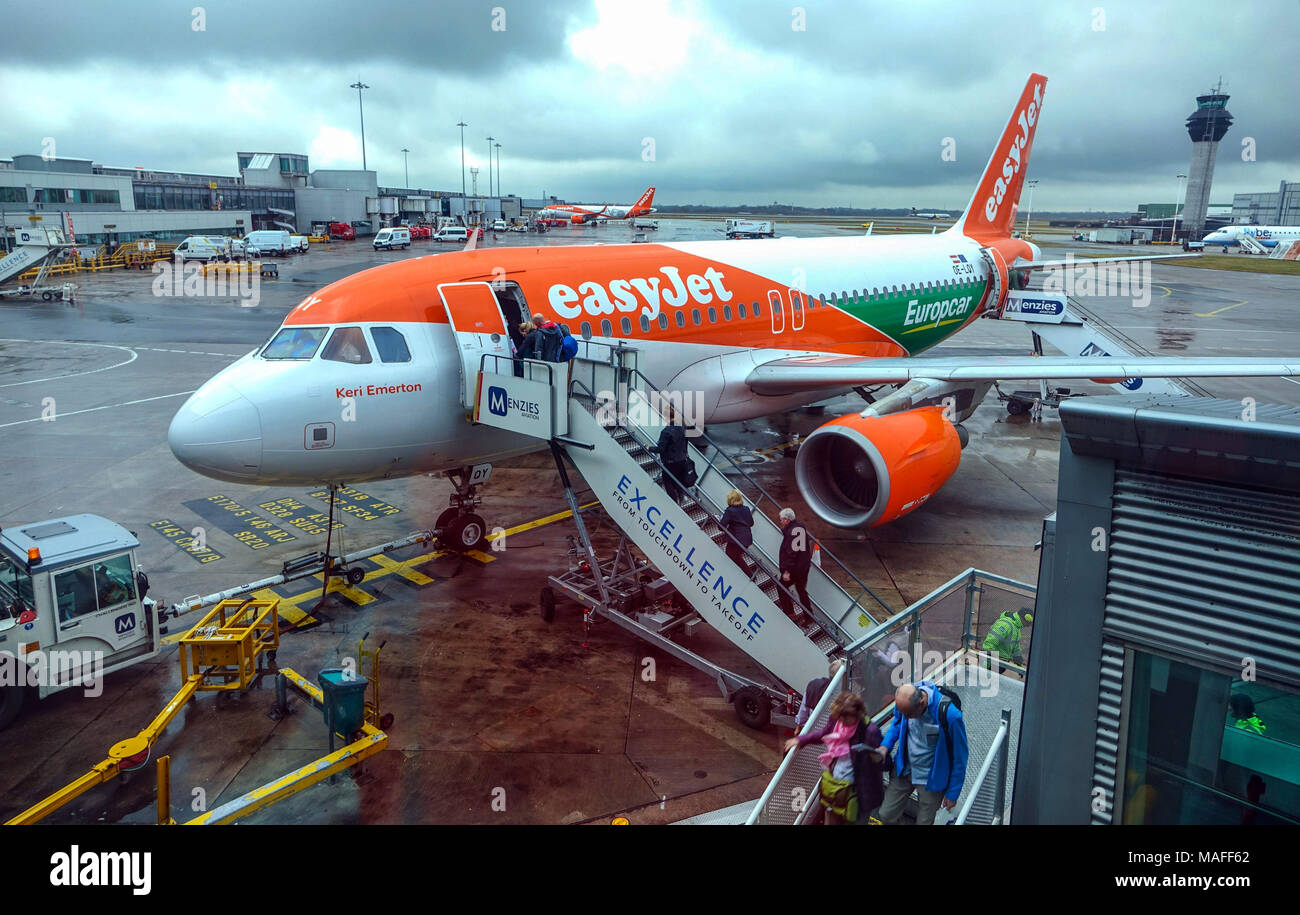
[810, 373]
[1091, 261]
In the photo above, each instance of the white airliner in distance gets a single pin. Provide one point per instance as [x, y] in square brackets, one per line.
[929, 215]
[363, 379]
[1268, 236]
[579, 213]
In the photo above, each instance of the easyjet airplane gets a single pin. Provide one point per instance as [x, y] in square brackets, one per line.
[363, 380]
[579, 213]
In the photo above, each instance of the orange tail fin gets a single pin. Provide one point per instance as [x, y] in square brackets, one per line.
[991, 213]
[646, 200]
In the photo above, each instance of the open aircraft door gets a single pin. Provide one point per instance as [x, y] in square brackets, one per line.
[479, 327]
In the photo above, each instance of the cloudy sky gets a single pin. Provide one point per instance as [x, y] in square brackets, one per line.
[820, 103]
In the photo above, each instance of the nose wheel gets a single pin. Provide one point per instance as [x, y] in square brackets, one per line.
[461, 532]
[459, 529]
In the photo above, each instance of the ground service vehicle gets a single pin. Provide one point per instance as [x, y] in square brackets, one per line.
[269, 241]
[342, 230]
[72, 608]
[452, 233]
[204, 248]
[750, 228]
[392, 237]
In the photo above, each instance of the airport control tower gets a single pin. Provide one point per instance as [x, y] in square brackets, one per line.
[1206, 126]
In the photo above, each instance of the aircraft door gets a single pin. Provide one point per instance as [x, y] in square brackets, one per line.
[776, 303]
[479, 328]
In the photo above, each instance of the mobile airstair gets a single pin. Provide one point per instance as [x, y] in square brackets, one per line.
[670, 571]
[35, 248]
[1065, 323]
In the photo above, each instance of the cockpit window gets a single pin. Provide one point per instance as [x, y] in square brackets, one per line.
[390, 344]
[294, 343]
[347, 344]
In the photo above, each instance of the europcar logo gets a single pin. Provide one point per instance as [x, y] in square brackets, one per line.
[497, 401]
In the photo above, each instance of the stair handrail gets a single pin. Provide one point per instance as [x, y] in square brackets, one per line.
[813, 611]
[765, 495]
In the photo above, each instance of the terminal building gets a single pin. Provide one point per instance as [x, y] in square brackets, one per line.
[1269, 208]
[104, 205]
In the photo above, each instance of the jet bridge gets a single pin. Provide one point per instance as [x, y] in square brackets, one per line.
[670, 571]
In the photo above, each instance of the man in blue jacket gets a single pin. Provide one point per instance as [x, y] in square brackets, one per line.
[928, 738]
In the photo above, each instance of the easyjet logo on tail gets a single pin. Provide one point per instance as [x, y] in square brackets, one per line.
[992, 207]
[645, 199]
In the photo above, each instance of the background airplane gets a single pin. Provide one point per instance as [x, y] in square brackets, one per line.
[1268, 236]
[586, 212]
[366, 377]
[930, 215]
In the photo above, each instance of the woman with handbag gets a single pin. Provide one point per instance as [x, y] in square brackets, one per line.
[851, 785]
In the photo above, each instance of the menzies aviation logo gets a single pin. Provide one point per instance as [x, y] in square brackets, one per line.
[1015, 153]
[500, 403]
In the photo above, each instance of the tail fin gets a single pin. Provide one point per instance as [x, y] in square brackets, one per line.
[991, 213]
[645, 201]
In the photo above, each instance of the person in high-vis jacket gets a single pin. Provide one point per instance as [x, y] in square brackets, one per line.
[1003, 639]
[1241, 708]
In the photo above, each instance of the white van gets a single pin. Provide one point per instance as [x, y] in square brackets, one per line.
[300, 243]
[204, 248]
[452, 233]
[393, 237]
[268, 241]
[499, 225]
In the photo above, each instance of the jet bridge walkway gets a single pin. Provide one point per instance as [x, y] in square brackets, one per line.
[670, 570]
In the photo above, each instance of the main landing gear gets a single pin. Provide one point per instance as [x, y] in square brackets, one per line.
[458, 528]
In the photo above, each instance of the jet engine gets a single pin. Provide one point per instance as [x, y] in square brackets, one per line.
[864, 470]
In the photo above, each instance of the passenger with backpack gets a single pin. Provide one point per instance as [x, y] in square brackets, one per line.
[679, 474]
[928, 739]
[553, 342]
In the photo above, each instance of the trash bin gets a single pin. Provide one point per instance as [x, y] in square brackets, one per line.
[344, 696]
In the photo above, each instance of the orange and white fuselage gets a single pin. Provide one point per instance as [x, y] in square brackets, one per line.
[589, 212]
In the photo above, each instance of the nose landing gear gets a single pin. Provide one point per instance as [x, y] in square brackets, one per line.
[459, 528]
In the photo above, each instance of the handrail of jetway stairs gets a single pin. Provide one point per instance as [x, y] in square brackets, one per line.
[814, 720]
[996, 756]
[818, 615]
[1137, 349]
[736, 469]
[968, 580]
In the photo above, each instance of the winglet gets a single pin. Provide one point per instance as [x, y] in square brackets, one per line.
[991, 212]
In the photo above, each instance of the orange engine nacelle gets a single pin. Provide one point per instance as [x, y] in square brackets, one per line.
[860, 471]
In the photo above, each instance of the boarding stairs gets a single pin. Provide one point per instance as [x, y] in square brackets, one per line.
[36, 250]
[602, 414]
[1250, 245]
[1065, 323]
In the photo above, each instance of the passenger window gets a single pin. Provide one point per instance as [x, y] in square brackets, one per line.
[606, 329]
[740, 309]
[758, 310]
[586, 330]
[347, 344]
[681, 319]
[695, 316]
[663, 321]
[713, 315]
[645, 324]
[726, 312]
[390, 344]
[294, 343]
[626, 324]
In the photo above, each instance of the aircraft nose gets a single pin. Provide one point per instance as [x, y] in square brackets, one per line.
[218, 433]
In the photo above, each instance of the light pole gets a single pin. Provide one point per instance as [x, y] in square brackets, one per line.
[359, 85]
[498, 146]
[462, 125]
[406, 166]
[490, 139]
[1031, 184]
[1173, 231]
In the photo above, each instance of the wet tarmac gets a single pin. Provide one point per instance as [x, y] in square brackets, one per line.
[500, 716]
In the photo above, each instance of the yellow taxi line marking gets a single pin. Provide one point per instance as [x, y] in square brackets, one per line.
[1167, 290]
[401, 568]
[549, 519]
[1210, 314]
